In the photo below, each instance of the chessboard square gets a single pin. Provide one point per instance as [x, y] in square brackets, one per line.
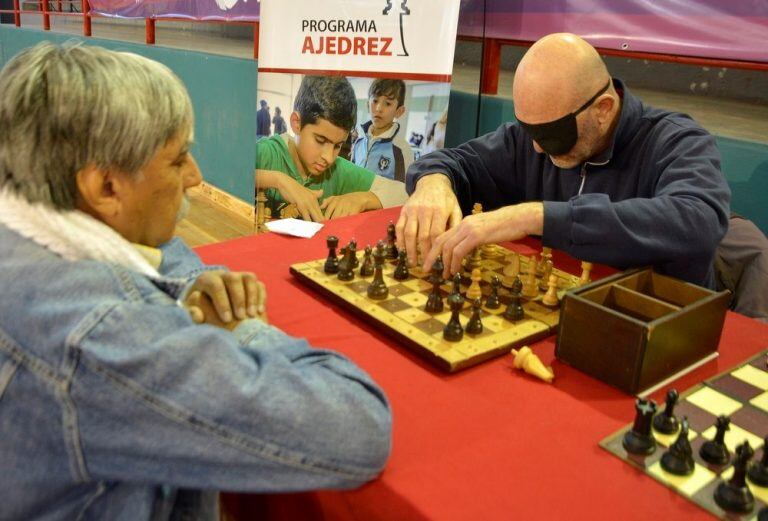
[735, 388]
[497, 323]
[417, 284]
[412, 315]
[760, 362]
[698, 419]
[393, 305]
[416, 300]
[759, 492]
[668, 439]
[734, 436]
[753, 376]
[360, 286]
[688, 485]
[492, 265]
[715, 402]
[399, 290]
[760, 401]
[443, 317]
[751, 419]
[429, 326]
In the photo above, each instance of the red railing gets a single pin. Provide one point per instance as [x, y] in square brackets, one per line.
[489, 76]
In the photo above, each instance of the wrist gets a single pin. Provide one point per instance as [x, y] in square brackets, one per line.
[533, 218]
[434, 179]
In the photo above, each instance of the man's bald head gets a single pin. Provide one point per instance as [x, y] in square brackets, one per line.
[556, 76]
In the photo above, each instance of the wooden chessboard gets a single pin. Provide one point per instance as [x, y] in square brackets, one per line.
[402, 313]
[741, 394]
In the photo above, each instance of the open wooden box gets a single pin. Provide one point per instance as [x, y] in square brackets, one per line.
[636, 329]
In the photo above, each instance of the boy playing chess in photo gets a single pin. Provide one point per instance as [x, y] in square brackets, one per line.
[306, 170]
[380, 145]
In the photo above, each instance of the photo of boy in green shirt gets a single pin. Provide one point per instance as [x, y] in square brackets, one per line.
[306, 170]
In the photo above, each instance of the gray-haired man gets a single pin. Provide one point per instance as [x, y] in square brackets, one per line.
[112, 397]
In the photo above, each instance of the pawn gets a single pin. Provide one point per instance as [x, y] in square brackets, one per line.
[453, 332]
[546, 271]
[639, 440]
[401, 270]
[391, 251]
[526, 360]
[332, 262]
[456, 284]
[435, 299]
[666, 423]
[493, 301]
[550, 298]
[758, 471]
[734, 495]
[475, 326]
[715, 451]
[514, 311]
[586, 268]
[378, 289]
[678, 460]
[474, 291]
[366, 268]
[355, 262]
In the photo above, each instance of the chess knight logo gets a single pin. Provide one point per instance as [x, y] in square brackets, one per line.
[383, 163]
[404, 11]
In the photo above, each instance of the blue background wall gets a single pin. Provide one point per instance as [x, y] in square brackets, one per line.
[223, 95]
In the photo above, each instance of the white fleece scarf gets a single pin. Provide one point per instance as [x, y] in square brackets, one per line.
[70, 234]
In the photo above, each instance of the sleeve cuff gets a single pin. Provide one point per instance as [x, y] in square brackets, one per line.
[558, 219]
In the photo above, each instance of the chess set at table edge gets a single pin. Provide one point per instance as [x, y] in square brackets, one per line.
[732, 494]
[523, 358]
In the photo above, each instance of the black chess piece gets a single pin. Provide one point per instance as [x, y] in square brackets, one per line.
[346, 265]
[401, 270]
[493, 302]
[758, 471]
[456, 284]
[453, 332]
[378, 289]
[639, 440]
[666, 423]
[391, 251]
[366, 268]
[475, 325]
[514, 311]
[678, 460]
[435, 299]
[355, 261]
[332, 262]
[734, 495]
[715, 451]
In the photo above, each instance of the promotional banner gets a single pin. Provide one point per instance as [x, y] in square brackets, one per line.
[350, 93]
[703, 28]
[235, 10]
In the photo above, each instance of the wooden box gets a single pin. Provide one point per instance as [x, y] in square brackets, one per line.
[636, 329]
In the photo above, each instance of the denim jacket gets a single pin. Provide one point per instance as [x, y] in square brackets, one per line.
[115, 405]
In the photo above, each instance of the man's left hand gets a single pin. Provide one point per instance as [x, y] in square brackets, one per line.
[348, 204]
[235, 296]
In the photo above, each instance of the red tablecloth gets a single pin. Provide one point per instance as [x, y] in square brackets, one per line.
[485, 443]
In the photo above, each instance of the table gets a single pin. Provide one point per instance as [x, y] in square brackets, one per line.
[485, 443]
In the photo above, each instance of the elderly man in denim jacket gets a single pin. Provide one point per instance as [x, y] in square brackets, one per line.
[132, 379]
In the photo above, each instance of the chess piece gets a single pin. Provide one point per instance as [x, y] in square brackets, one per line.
[493, 301]
[474, 291]
[550, 297]
[514, 311]
[530, 287]
[639, 440]
[666, 423]
[453, 332]
[332, 262]
[586, 268]
[758, 471]
[473, 261]
[378, 289]
[715, 451]
[261, 212]
[456, 284]
[346, 264]
[734, 495]
[512, 269]
[475, 326]
[366, 268]
[401, 270]
[546, 254]
[546, 271]
[391, 251]
[355, 262]
[435, 299]
[526, 360]
[678, 460]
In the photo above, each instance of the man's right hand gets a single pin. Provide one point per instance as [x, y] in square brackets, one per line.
[304, 198]
[430, 210]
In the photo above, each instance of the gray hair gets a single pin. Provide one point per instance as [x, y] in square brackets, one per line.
[64, 107]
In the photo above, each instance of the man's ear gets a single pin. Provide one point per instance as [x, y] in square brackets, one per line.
[98, 192]
[605, 108]
[295, 122]
[399, 112]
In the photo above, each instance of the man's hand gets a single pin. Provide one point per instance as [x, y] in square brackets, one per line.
[304, 198]
[431, 209]
[349, 204]
[222, 298]
[509, 223]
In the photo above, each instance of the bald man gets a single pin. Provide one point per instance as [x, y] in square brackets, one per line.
[586, 166]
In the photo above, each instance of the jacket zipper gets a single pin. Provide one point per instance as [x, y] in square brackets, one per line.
[583, 177]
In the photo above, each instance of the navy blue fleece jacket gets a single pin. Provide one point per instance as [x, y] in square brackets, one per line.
[656, 196]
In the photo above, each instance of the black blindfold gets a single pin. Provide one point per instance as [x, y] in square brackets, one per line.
[558, 137]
